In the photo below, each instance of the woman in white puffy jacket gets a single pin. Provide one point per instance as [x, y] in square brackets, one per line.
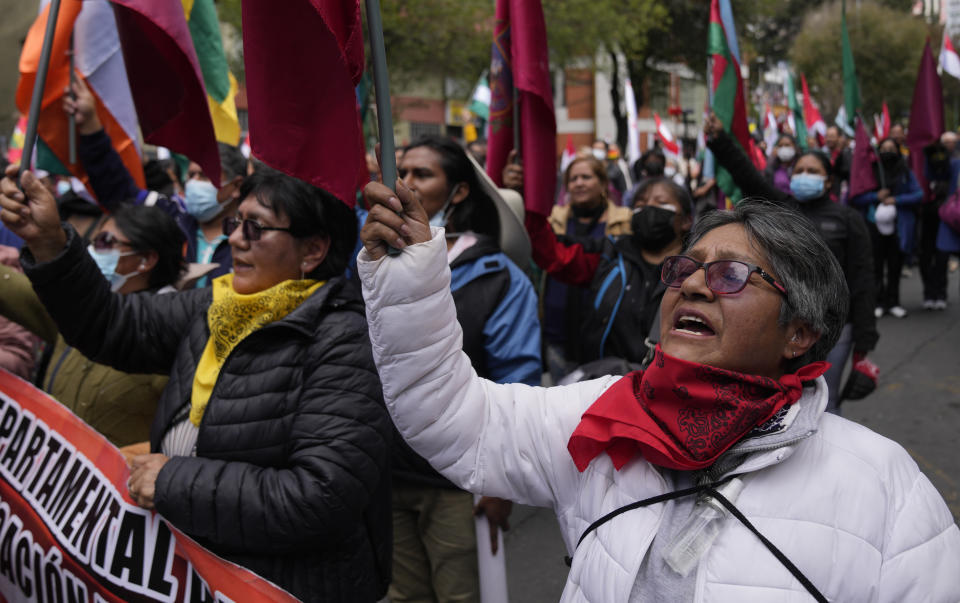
[712, 475]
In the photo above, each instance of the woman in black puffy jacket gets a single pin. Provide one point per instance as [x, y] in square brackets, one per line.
[271, 442]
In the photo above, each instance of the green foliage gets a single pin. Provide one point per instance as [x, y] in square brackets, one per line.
[887, 45]
[437, 38]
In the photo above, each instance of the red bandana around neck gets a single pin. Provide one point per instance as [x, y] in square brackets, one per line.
[680, 414]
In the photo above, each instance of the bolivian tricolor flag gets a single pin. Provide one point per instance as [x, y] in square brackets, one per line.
[220, 84]
[99, 62]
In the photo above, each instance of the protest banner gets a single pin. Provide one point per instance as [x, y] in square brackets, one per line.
[69, 531]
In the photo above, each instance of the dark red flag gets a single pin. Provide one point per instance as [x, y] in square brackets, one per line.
[519, 59]
[926, 115]
[166, 81]
[862, 176]
[303, 61]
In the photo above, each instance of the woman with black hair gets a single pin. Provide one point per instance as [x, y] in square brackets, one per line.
[892, 223]
[137, 249]
[434, 536]
[270, 441]
[621, 318]
[780, 167]
[840, 226]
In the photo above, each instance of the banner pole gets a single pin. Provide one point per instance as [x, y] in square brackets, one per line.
[72, 125]
[36, 101]
[381, 84]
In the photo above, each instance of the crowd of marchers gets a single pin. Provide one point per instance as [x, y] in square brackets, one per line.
[329, 396]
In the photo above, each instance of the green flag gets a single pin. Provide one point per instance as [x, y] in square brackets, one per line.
[851, 90]
[796, 110]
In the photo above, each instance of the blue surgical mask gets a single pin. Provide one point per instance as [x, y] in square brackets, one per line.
[201, 198]
[440, 218]
[806, 186]
[107, 263]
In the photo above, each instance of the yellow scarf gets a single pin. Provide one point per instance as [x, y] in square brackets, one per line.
[231, 317]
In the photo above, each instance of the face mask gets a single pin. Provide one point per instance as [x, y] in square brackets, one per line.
[806, 186]
[669, 171]
[201, 198]
[786, 154]
[440, 218]
[654, 168]
[600, 154]
[107, 263]
[890, 159]
[653, 227]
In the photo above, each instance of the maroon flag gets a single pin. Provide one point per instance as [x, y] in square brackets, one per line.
[166, 81]
[862, 176]
[303, 61]
[926, 115]
[519, 59]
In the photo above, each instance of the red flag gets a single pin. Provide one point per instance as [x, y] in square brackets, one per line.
[885, 124]
[304, 59]
[862, 177]
[519, 58]
[815, 124]
[166, 81]
[926, 115]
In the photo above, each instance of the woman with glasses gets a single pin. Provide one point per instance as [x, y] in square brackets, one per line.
[138, 249]
[845, 233]
[712, 475]
[270, 442]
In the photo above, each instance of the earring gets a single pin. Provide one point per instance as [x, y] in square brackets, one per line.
[794, 353]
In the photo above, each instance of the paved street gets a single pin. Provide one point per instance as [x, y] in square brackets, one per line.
[917, 404]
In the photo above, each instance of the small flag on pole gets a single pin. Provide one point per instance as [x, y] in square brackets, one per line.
[665, 136]
[815, 123]
[949, 60]
[480, 99]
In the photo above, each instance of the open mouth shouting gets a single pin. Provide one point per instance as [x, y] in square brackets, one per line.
[690, 323]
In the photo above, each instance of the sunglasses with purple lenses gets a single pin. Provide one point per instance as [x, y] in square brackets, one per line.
[252, 230]
[723, 276]
[105, 241]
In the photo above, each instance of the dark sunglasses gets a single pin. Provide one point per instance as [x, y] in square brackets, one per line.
[252, 230]
[105, 241]
[723, 276]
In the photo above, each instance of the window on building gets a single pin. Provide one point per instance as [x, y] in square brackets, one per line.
[419, 129]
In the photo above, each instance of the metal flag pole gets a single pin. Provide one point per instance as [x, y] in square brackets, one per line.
[36, 101]
[381, 84]
[516, 125]
[72, 118]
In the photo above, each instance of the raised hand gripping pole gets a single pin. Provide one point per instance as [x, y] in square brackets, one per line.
[381, 85]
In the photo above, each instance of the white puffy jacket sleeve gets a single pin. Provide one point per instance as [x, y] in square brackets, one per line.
[507, 440]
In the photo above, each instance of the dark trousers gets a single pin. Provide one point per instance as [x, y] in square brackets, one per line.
[938, 283]
[887, 263]
[933, 272]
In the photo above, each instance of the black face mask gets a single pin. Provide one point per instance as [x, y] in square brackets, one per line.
[653, 227]
[654, 168]
[890, 159]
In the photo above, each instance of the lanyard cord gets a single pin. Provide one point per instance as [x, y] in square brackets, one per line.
[710, 489]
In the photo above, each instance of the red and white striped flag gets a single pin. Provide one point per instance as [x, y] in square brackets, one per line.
[569, 154]
[666, 137]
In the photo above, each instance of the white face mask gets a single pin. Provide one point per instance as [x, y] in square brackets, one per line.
[600, 154]
[786, 154]
[669, 171]
[440, 218]
[107, 262]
